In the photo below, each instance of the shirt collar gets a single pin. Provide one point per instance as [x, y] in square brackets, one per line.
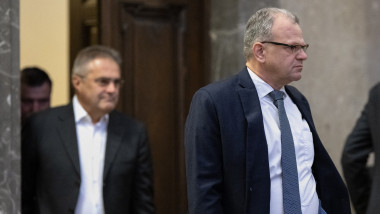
[262, 88]
[81, 114]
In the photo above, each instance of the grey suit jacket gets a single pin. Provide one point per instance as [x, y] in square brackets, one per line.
[227, 154]
[364, 185]
[51, 167]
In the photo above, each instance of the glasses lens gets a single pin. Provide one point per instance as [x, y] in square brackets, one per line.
[118, 82]
[305, 47]
[297, 48]
[103, 81]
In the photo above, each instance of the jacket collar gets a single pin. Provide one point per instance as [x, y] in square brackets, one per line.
[67, 133]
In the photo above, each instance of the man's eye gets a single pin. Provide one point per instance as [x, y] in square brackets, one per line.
[104, 81]
[27, 101]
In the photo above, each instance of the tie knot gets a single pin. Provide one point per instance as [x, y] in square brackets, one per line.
[276, 95]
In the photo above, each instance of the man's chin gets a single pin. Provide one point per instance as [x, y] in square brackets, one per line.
[297, 76]
[108, 107]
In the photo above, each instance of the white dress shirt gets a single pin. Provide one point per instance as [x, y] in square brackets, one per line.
[91, 144]
[304, 147]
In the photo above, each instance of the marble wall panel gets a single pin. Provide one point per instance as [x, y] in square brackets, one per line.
[9, 108]
[227, 25]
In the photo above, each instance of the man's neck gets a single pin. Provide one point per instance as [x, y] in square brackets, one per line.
[263, 75]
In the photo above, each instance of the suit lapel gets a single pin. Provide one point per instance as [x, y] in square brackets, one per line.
[302, 106]
[68, 136]
[114, 138]
[67, 132]
[257, 163]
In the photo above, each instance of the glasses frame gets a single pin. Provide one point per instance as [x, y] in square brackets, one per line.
[294, 48]
[104, 81]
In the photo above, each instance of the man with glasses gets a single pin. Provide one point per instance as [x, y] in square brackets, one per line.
[85, 157]
[250, 141]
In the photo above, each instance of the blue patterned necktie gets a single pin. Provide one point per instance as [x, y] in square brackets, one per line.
[290, 191]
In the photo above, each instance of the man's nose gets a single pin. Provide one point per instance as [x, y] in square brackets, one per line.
[302, 55]
[36, 106]
[112, 87]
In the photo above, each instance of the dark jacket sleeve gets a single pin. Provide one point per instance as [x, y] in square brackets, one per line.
[28, 169]
[203, 156]
[143, 187]
[354, 162]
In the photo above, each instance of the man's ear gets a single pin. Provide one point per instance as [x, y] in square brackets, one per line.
[76, 81]
[258, 52]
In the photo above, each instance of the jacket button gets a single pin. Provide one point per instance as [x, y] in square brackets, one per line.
[250, 189]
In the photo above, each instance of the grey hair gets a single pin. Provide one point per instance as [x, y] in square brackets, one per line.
[259, 27]
[86, 55]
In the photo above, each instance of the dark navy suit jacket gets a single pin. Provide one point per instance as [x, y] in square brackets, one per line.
[364, 182]
[227, 156]
[51, 165]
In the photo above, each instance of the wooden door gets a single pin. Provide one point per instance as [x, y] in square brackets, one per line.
[165, 54]
[84, 27]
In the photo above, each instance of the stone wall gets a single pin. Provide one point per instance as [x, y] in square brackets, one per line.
[9, 108]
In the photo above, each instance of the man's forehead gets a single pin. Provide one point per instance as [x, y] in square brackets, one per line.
[35, 91]
[103, 67]
[286, 28]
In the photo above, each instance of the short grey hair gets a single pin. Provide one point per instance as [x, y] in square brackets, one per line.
[86, 55]
[259, 27]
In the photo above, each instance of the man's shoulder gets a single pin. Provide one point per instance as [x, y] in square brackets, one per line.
[222, 90]
[46, 120]
[221, 86]
[375, 89]
[50, 113]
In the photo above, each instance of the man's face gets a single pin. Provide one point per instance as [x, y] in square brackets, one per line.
[282, 64]
[98, 91]
[34, 99]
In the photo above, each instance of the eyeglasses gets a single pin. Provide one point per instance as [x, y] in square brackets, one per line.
[103, 81]
[294, 48]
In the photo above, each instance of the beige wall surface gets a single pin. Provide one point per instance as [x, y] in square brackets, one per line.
[44, 42]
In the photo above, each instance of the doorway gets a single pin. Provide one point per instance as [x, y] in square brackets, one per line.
[165, 50]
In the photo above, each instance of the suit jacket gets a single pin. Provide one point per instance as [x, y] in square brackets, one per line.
[227, 156]
[51, 167]
[363, 183]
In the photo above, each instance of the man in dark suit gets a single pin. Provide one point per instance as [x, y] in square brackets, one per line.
[233, 138]
[363, 180]
[85, 157]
